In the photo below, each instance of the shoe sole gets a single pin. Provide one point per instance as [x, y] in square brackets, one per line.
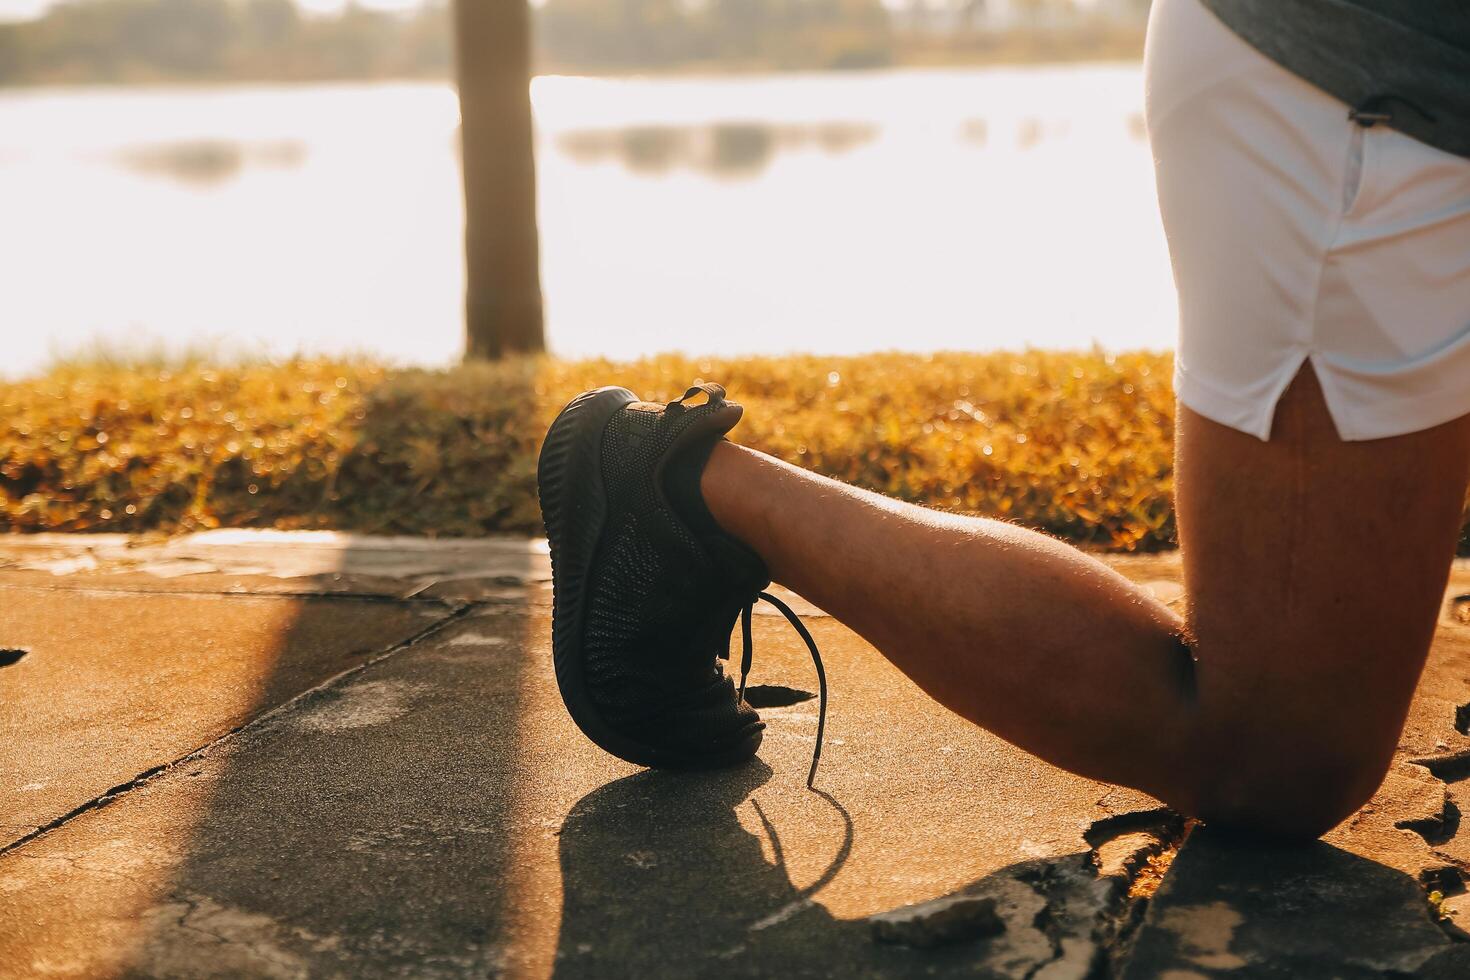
[574, 509]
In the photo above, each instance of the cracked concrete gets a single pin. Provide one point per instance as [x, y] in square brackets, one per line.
[117, 685]
[1355, 904]
[368, 772]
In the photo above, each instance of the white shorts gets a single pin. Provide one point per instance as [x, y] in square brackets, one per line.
[1297, 235]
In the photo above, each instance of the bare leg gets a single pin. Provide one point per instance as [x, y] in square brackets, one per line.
[1024, 635]
[1291, 547]
[1316, 569]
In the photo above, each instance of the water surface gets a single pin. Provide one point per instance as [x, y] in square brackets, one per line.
[917, 210]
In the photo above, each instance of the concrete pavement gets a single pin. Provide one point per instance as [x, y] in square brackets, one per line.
[261, 754]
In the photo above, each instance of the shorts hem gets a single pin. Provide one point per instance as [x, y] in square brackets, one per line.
[1250, 416]
[1383, 418]
[1386, 418]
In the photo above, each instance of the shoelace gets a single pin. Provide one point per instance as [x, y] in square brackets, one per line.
[747, 652]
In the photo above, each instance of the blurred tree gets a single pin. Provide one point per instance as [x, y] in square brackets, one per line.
[502, 265]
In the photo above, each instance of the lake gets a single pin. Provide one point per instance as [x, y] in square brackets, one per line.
[834, 213]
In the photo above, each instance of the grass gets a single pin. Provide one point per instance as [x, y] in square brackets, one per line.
[1075, 444]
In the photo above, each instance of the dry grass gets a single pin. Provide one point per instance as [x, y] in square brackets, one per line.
[1077, 444]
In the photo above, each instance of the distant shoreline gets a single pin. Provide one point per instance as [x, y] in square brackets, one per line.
[1004, 51]
[686, 72]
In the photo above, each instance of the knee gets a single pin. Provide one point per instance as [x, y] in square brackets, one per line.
[1292, 792]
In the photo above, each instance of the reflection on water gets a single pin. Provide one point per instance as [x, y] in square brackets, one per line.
[917, 210]
[208, 161]
[734, 149]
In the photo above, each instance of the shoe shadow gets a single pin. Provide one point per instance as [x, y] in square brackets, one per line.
[661, 877]
[670, 874]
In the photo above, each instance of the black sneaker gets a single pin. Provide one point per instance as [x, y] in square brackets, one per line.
[644, 605]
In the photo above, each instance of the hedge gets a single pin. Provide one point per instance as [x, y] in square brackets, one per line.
[1076, 444]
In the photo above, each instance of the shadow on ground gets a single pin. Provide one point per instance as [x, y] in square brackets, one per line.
[1252, 909]
[668, 874]
[369, 831]
[389, 786]
[660, 875]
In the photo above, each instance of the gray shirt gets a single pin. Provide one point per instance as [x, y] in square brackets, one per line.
[1403, 63]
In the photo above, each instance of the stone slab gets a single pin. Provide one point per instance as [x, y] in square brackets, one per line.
[1248, 910]
[260, 562]
[437, 815]
[1354, 905]
[115, 684]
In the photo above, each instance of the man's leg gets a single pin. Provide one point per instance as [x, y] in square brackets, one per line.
[1314, 566]
[1315, 570]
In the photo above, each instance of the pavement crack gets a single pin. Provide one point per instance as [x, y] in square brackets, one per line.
[97, 589]
[1451, 768]
[1440, 884]
[1134, 851]
[456, 612]
[1045, 922]
[1447, 879]
[1440, 828]
[262, 947]
[1441, 881]
[1160, 820]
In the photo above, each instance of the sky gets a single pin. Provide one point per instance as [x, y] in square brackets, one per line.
[26, 9]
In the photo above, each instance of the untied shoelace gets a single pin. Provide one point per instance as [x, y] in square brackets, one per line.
[747, 651]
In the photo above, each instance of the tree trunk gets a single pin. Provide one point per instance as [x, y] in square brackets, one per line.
[502, 261]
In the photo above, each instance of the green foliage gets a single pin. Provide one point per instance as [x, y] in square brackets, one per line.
[1074, 444]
